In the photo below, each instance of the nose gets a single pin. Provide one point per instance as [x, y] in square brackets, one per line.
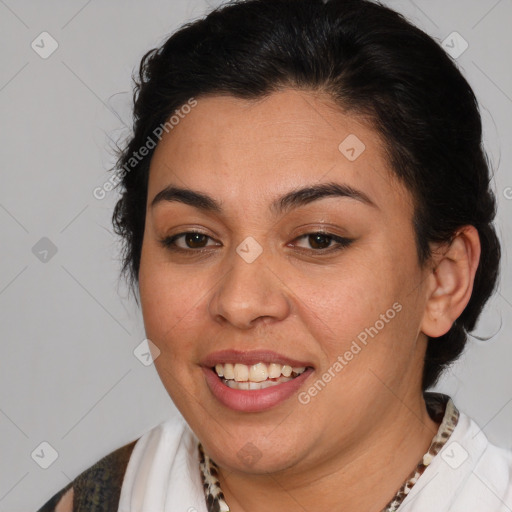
[249, 294]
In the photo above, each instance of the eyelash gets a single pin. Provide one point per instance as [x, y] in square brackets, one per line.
[342, 243]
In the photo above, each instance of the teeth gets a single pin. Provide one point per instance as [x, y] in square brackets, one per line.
[228, 371]
[274, 370]
[241, 372]
[258, 372]
[233, 384]
[256, 376]
[287, 370]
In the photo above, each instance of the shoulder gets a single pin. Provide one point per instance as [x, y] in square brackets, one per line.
[484, 469]
[474, 474]
[492, 476]
[468, 473]
[96, 489]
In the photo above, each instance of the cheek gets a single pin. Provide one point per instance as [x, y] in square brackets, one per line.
[363, 307]
[171, 302]
[343, 299]
[171, 307]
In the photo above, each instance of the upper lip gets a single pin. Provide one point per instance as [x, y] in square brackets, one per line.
[250, 357]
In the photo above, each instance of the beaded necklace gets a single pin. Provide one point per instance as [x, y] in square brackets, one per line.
[440, 408]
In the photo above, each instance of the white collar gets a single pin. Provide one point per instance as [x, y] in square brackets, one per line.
[468, 474]
[163, 474]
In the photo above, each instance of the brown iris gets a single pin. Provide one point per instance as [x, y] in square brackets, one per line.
[196, 240]
[319, 241]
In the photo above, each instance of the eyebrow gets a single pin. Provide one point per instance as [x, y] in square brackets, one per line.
[306, 195]
[187, 196]
[293, 199]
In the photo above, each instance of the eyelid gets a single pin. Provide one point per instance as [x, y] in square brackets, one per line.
[169, 241]
[340, 241]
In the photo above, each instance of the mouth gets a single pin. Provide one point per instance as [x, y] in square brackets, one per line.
[257, 376]
[253, 381]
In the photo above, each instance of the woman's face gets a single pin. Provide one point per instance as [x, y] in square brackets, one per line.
[304, 256]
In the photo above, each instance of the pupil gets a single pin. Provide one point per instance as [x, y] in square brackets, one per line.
[195, 240]
[319, 241]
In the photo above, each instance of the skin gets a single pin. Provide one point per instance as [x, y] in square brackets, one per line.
[352, 446]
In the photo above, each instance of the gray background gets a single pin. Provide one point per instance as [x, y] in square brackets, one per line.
[68, 373]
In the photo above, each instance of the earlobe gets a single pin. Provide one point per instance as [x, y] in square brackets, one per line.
[451, 281]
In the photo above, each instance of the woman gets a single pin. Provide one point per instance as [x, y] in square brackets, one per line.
[308, 224]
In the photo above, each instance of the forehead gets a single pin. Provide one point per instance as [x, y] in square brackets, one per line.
[243, 150]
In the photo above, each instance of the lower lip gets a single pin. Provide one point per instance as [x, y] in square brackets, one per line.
[254, 400]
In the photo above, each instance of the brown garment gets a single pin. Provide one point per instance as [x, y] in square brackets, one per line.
[98, 488]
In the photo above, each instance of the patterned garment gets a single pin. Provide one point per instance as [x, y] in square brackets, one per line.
[440, 408]
[214, 496]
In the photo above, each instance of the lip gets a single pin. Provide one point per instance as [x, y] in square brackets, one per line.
[250, 357]
[253, 400]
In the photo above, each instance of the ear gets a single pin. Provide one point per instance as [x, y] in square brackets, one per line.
[451, 281]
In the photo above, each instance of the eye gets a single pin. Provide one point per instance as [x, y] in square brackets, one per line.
[188, 241]
[321, 241]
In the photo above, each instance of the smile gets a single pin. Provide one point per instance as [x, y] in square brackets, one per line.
[257, 376]
[255, 380]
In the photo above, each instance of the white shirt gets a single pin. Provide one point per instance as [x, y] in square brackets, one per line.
[468, 475]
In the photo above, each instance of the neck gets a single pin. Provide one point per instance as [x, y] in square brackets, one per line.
[365, 477]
